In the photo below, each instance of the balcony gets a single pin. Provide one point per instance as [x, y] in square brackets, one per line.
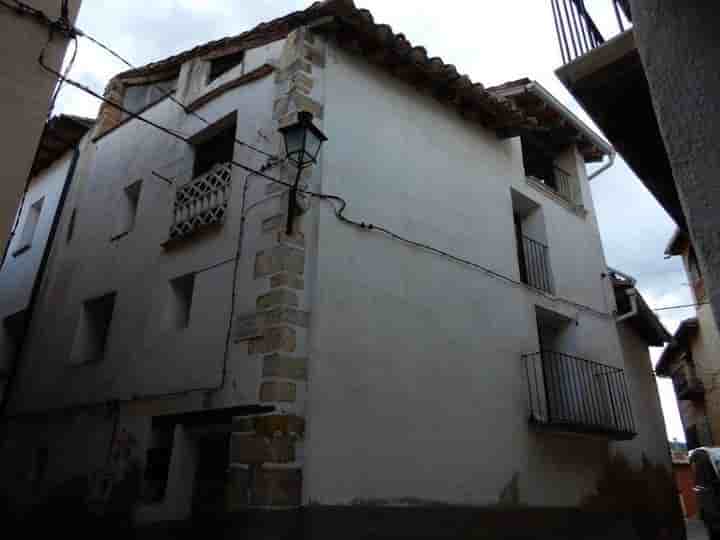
[535, 265]
[561, 183]
[201, 202]
[607, 78]
[573, 395]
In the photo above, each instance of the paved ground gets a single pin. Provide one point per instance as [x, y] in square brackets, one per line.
[696, 530]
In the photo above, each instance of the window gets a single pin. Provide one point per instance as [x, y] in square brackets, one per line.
[202, 202]
[71, 226]
[215, 146]
[219, 66]
[141, 96]
[127, 209]
[93, 329]
[157, 463]
[31, 222]
[540, 164]
[530, 239]
[180, 301]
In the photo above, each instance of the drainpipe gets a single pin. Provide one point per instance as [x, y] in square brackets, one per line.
[605, 167]
[632, 293]
[38, 280]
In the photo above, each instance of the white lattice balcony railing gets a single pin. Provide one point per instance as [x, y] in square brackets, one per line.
[202, 201]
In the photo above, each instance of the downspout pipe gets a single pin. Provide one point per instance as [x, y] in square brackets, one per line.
[632, 294]
[611, 161]
[35, 293]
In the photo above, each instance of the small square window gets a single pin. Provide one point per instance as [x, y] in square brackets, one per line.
[93, 329]
[220, 66]
[127, 209]
[180, 301]
[31, 222]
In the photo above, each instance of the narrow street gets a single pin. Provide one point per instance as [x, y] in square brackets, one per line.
[696, 530]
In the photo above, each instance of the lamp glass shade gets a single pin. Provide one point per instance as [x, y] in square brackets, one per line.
[313, 143]
[295, 142]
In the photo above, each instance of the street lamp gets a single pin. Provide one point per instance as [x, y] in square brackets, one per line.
[303, 140]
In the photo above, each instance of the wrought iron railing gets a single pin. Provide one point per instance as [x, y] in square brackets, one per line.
[561, 182]
[576, 30]
[535, 265]
[565, 185]
[573, 394]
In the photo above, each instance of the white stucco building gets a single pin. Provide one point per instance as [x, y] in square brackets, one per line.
[55, 165]
[187, 349]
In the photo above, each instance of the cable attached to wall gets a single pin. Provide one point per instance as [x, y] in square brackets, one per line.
[339, 211]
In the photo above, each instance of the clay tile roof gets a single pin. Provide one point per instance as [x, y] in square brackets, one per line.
[356, 30]
[555, 122]
[264, 32]
[60, 134]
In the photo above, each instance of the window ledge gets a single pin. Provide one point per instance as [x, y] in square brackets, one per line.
[576, 209]
[22, 249]
[119, 236]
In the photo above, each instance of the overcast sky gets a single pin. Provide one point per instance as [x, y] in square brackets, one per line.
[493, 41]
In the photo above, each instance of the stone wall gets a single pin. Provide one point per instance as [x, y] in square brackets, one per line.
[267, 457]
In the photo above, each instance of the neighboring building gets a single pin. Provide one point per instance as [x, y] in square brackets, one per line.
[685, 482]
[188, 357]
[639, 328]
[54, 167]
[692, 360]
[25, 92]
[653, 90]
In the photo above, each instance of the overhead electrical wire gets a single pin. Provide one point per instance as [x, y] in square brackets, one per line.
[342, 203]
[680, 306]
[168, 95]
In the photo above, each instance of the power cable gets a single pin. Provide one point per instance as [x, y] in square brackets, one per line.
[343, 203]
[169, 95]
[680, 306]
[339, 211]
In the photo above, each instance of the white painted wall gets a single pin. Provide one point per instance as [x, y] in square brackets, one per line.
[417, 385]
[416, 374]
[144, 357]
[18, 273]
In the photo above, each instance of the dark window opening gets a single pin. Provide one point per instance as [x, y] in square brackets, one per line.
[211, 477]
[181, 294]
[157, 463]
[94, 328]
[217, 149]
[532, 252]
[141, 96]
[538, 162]
[219, 66]
[127, 210]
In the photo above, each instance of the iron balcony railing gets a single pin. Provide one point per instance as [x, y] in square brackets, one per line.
[572, 394]
[535, 265]
[561, 182]
[564, 185]
[576, 30]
